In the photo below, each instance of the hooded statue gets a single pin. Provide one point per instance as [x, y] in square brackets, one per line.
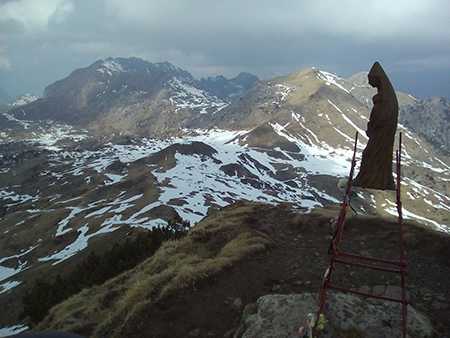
[376, 164]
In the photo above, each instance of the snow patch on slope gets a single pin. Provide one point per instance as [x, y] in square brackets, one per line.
[331, 79]
[12, 330]
[196, 182]
[23, 100]
[359, 130]
[189, 97]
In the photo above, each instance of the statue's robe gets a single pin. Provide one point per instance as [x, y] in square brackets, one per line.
[376, 164]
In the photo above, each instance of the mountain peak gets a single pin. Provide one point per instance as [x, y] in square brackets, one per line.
[334, 79]
[360, 79]
[133, 65]
[110, 64]
[244, 79]
[166, 65]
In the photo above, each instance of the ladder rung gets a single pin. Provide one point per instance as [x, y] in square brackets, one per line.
[367, 266]
[372, 259]
[344, 290]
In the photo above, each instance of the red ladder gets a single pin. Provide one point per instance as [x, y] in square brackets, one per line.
[399, 267]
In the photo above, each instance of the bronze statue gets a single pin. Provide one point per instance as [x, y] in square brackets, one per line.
[376, 164]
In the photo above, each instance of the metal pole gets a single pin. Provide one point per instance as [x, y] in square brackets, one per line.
[400, 230]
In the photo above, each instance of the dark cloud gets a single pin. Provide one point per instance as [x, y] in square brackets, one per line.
[40, 44]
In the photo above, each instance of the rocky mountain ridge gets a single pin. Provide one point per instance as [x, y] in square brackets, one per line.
[133, 96]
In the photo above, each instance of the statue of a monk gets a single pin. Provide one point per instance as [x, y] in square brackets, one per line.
[376, 164]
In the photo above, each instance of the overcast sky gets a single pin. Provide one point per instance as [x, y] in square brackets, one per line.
[42, 41]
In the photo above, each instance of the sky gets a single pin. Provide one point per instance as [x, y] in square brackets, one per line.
[42, 41]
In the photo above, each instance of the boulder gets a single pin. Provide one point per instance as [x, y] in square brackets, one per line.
[281, 316]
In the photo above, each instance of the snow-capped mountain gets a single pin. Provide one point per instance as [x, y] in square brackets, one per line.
[132, 96]
[289, 139]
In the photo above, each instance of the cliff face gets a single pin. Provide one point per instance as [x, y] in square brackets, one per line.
[431, 118]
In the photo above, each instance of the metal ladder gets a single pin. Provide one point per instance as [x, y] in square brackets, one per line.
[339, 257]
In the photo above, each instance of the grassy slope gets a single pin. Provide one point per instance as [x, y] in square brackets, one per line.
[214, 244]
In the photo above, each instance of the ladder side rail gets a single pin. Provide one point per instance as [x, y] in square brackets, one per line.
[400, 230]
[336, 239]
[399, 202]
[346, 201]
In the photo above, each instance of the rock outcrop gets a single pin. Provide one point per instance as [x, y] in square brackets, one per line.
[282, 315]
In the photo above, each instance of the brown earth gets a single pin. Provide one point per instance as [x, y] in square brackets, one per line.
[295, 263]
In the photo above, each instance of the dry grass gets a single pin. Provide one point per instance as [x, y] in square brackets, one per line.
[306, 79]
[214, 244]
[353, 333]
